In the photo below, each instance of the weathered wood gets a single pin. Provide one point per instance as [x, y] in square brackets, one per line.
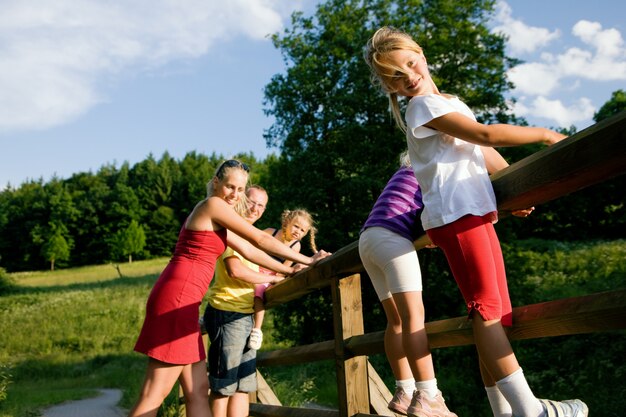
[300, 354]
[379, 393]
[598, 312]
[342, 263]
[297, 286]
[369, 415]
[263, 410]
[264, 393]
[252, 397]
[590, 156]
[351, 372]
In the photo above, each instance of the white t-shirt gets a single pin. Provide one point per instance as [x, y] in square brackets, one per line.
[450, 171]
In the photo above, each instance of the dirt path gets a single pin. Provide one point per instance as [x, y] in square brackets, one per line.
[104, 405]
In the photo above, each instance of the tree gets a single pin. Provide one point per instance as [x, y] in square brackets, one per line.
[56, 248]
[92, 196]
[339, 144]
[154, 183]
[131, 240]
[616, 104]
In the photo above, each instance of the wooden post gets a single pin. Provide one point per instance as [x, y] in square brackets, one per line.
[379, 393]
[264, 392]
[352, 381]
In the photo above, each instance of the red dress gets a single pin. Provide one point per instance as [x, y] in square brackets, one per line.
[170, 331]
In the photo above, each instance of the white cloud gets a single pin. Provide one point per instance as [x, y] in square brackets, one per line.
[607, 60]
[608, 42]
[534, 78]
[600, 56]
[604, 61]
[555, 110]
[54, 54]
[522, 38]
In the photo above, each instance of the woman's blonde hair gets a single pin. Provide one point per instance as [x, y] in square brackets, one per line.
[220, 173]
[288, 215]
[388, 39]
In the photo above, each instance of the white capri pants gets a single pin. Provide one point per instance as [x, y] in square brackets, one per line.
[390, 261]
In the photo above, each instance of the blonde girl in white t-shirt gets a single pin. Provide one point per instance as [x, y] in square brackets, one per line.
[452, 156]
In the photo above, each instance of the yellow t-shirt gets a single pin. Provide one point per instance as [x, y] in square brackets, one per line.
[231, 294]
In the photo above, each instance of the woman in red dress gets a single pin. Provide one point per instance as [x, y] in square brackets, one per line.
[170, 335]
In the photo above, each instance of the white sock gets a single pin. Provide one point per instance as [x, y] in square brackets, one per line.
[429, 386]
[519, 395]
[499, 404]
[407, 385]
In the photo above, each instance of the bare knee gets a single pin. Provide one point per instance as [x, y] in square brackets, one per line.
[199, 392]
[394, 327]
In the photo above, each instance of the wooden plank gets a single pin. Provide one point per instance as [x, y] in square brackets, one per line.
[592, 313]
[590, 156]
[598, 312]
[297, 286]
[368, 415]
[263, 410]
[264, 392]
[352, 382]
[299, 354]
[344, 262]
[379, 393]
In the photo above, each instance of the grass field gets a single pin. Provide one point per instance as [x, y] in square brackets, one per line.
[66, 333]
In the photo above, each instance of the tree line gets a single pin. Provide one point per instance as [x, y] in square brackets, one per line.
[107, 216]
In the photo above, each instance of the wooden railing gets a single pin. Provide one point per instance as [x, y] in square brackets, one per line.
[588, 157]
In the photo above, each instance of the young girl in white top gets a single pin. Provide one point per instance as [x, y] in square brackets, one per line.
[452, 157]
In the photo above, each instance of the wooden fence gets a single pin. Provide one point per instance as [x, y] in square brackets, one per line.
[591, 156]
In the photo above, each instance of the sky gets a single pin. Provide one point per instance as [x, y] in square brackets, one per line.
[89, 83]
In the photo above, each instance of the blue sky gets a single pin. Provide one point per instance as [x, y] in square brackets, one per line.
[89, 83]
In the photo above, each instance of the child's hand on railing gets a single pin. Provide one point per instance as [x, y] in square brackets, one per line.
[523, 212]
[277, 279]
[298, 267]
[321, 254]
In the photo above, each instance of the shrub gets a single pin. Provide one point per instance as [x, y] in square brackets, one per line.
[6, 282]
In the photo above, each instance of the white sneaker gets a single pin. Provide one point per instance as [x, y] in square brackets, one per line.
[567, 408]
[256, 339]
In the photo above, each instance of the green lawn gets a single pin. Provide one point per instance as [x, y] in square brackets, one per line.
[66, 333]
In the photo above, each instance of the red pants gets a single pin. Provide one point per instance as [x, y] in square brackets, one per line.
[475, 258]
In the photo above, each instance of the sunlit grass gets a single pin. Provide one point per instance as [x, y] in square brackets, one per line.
[66, 333]
[88, 274]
